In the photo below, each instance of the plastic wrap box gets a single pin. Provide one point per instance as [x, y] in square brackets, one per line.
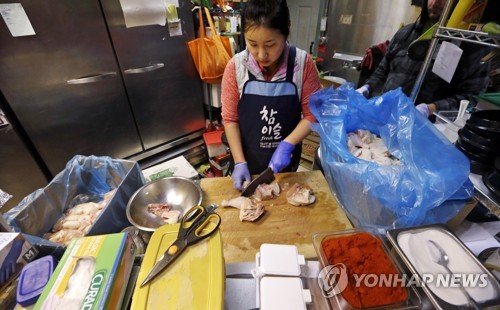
[178, 167]
[113, 257]
[90, 176]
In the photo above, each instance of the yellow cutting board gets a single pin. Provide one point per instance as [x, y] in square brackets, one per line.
[281, 223]
[195, 280]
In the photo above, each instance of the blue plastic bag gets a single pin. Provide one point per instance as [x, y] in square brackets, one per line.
[431, 185]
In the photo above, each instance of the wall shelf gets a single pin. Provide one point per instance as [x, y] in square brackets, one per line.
[468, 36]
[443, 32]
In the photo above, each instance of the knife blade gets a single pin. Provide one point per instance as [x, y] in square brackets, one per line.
[267, 176]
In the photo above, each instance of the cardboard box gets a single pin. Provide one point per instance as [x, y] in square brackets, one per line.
[114, 257]
[89, 177]
[15, 253]
[178, 167]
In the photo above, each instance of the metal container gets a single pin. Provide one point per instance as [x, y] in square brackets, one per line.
[411, 244]
[180, 193]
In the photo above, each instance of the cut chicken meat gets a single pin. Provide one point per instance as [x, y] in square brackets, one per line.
[266, 191]
[299, 195]
[249, 210]
[87, 208]
[164, 210]
[158, 208]
[171, 216]
[252, 213]
[238, 202]
[77, 220]
[367, 146]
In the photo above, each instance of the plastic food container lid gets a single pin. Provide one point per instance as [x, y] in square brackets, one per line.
[283, 293]
[279, 259]
[411, 244]
[33, 279]
[195, 280]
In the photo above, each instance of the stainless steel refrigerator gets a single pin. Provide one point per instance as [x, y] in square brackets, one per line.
[20, 172]
[86, 84]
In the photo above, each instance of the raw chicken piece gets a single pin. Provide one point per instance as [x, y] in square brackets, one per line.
[355, 141]
[249, 211]
[251, 214]
[367, 146]
[171, 217]
[158, 208]
[266, 191]
[298, 195]
[88, 208]
[164, 211]
[64, 236]
[77, 221]
[62, 222]
[365, 135]
[108, 196]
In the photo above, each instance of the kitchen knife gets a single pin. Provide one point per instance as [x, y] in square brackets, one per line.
[267, 176]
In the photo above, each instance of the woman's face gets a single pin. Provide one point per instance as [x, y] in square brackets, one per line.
[266, 45]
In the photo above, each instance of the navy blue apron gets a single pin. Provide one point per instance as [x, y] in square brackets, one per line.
[268, 112]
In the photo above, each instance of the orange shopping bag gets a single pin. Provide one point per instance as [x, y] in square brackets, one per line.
[210, 55]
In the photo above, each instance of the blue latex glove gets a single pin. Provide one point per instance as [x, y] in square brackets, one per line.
[9, 263]
[282, 156]
[364, 90]
[423, 108]
[240, 174]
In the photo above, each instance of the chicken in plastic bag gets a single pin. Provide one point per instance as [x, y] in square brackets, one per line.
[89, 187]
[430, 186]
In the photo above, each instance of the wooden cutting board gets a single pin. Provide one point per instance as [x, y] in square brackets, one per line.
[282, 223]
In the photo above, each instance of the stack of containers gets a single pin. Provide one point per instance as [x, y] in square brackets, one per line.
[278, 278]
[479, 140]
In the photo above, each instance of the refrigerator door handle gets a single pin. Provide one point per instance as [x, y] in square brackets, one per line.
[91, 78]
[144, 69]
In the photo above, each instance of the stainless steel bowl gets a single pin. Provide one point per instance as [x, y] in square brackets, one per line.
[180, 193]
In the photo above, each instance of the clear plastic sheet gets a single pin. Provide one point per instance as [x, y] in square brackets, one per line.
[4, 197]
[83, 179]
[431, 186]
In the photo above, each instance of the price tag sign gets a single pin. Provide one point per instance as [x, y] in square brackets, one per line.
[447, 61]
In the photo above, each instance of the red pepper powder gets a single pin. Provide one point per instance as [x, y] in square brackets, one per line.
[362, 253]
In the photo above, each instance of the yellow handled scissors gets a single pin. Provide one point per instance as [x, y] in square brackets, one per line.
[203, 223]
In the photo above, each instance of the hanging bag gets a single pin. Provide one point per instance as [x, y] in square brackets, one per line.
[210, 55]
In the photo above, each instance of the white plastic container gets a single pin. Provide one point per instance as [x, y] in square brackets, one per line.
[277, 278]
[283, 293]
[279, 259]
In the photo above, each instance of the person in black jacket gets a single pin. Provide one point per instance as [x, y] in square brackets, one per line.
[398, 68]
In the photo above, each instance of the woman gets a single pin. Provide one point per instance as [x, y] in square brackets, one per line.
[265, 92]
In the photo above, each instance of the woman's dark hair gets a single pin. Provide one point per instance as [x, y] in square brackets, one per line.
[273, 14]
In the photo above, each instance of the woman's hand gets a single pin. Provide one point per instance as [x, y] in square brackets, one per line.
[240, 175]
[282, 156]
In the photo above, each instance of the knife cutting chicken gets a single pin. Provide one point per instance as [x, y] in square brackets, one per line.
[262, 189]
